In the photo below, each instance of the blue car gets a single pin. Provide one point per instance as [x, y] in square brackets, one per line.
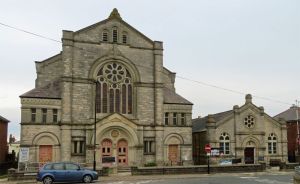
[65, 172]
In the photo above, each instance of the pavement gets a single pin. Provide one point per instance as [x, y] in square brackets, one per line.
[129, 177]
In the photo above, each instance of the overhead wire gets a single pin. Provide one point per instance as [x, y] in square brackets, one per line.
[150, 68]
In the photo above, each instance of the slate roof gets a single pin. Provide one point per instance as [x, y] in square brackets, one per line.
[290, 114]
[199, 123]
[171, 97]
[50, 91]
[3, 119]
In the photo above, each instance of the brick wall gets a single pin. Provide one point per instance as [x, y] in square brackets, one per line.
[3, 141]
[292, 140]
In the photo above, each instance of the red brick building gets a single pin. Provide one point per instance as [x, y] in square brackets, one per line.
[291, 116]
[3, 138]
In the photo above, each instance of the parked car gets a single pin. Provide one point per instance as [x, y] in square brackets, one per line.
[65, 172]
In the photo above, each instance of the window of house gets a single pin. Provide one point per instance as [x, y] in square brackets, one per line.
[114, 89]
[105, 36]
[33, 115]
[272, 144]
[174, 118]
[182, 119]
[149, 145]
[55, 115]
[78, 145]
[166, 118]
[124, 38]
[115, 35]
[224, 143]
[44, 115]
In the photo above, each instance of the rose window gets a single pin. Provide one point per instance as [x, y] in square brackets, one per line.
[114, 72]
[249, 121]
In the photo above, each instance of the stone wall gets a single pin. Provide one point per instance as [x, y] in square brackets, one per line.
[197, 169]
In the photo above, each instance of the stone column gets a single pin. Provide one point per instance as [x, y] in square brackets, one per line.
[159, 143]
[66, 146]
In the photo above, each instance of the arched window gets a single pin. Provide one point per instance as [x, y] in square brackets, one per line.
[115, 35]
[124, 37]
[105, 36]
[224, 143]
[272, 144]
[114, 89]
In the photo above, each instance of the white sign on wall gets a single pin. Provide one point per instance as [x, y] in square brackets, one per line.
[24, 155]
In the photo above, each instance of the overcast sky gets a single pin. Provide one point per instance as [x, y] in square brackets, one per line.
[247, 46]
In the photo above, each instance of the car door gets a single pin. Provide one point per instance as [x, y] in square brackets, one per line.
[73, 172]
[58, 171]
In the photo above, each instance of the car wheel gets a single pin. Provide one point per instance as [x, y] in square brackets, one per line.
[87, 179]
[47, 180]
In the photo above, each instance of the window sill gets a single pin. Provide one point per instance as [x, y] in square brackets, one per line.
[152, 153]
[77, 154]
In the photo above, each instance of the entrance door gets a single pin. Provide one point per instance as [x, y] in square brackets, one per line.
[173, 154]
[106, 150]
[122, 153]
[249, 155]
[45, 153]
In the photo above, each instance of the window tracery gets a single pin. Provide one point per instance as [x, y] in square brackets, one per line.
[114, 89]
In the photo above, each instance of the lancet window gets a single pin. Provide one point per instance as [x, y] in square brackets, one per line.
[114, 89]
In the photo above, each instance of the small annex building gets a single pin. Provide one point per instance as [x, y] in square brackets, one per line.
[245, 133]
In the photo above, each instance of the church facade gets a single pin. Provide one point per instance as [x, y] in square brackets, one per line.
[108, 95]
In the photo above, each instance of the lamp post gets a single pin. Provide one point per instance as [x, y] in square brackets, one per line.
[297, 120]
[95, 113]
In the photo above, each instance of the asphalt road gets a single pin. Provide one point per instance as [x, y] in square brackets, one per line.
[251, 178]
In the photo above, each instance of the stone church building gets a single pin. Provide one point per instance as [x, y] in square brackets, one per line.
[244, 134]
[108, 85]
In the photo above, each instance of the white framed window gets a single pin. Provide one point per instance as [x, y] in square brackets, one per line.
[44, 115]
[182, 119]
[175, 118]
[224, 143]
[272, 144]
[33, 115]
[166, 118]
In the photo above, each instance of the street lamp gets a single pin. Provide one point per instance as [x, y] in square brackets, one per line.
[94, 162]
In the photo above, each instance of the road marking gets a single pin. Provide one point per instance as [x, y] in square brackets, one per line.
[137, 182]
[265, 180]
[248, 177]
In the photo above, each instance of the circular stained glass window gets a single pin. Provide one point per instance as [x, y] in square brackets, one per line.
[249, 121]
[114, 72]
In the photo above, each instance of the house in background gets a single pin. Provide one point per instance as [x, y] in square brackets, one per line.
[291, 116]
[245, 133]
[13, 147]
[3, 139]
